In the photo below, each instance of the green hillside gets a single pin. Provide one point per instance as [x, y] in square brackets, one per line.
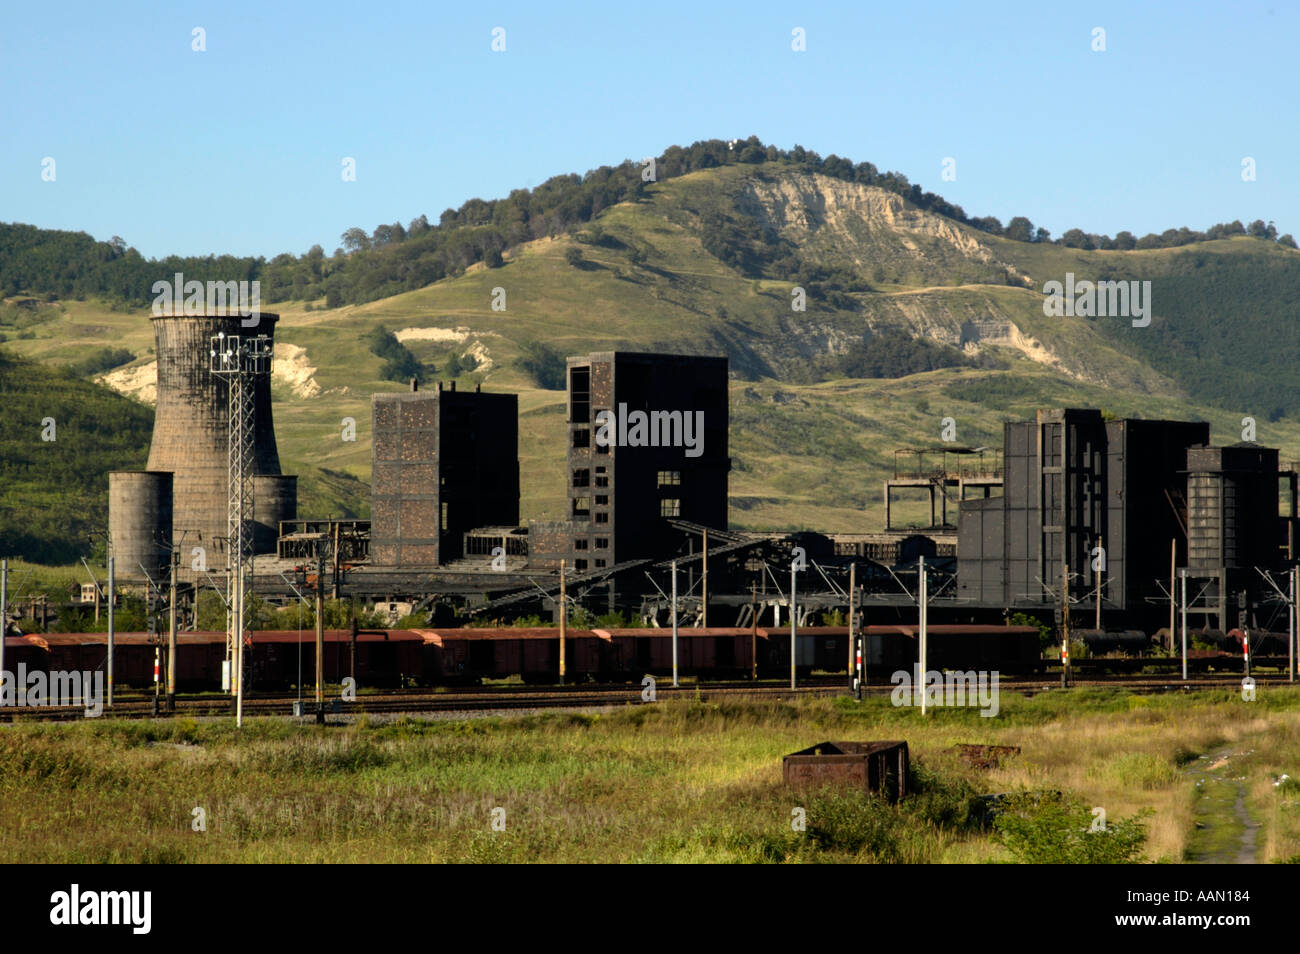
[59, 438]
[946, 317]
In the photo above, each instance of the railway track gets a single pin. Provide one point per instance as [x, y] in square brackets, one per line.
[488, 698]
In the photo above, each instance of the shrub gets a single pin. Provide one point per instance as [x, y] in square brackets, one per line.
[1056, 829]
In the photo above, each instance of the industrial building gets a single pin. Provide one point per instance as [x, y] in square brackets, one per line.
[1117, 507]
[647, 469]
[443, 464]
[181, 499]
[647, 446]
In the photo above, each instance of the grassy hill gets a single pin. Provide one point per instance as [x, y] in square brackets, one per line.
[707, 263]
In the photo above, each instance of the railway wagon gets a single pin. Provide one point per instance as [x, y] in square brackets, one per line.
[464, 655]
[383, 658]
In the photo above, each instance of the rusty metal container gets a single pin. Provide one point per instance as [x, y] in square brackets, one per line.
[876, 766]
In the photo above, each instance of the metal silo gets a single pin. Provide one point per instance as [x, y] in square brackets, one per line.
[140, 522]
[191, 424]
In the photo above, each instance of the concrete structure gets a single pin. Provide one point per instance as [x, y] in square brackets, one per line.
[443, 464]
[947, 473]
[662, 455]
[140, 507]
[190, 437]
[1074, 482]
[275, 500]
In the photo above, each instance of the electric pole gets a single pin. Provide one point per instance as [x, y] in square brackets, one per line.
[241, 363]
[564, 619]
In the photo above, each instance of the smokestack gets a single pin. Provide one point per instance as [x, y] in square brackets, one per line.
[453, 384]
[415, 384]
[439, 387]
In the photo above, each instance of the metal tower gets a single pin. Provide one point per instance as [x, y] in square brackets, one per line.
[240, 362]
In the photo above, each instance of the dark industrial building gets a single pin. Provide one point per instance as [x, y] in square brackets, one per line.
[1135, 488]
[443, 463]
[647, 445]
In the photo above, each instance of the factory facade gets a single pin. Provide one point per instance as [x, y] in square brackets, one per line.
[1113, 503]
[443, 464]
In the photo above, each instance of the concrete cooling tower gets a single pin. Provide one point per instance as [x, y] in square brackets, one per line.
[190, 436]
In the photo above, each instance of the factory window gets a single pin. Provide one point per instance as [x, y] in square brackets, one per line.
[444, 517]
[580, 543]
[581, 477]
[670, 478]
[602, 478]
[602, 500]
[602, 518]
[602, 543]
[582, 506]
[579, 564]
[581, 437]
[580, 395]
[600, 564]
[670, 507]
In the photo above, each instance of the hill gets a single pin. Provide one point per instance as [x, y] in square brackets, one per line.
[911, 315]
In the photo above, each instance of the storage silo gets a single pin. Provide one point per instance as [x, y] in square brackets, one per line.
[190, 434]
[140, 522]
[275, 498]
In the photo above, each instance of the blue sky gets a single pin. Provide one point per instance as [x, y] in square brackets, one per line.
[238, 149]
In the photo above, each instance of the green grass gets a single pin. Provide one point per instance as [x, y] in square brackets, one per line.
[675, 782]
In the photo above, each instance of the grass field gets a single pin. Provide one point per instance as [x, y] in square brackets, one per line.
[675, 782]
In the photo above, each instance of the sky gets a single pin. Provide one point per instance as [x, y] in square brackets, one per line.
[239, 148]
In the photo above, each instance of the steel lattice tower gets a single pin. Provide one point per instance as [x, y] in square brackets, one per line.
[240, 362]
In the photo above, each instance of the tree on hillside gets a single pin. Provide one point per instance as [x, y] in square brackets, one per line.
[355, 239]
[1020, 229]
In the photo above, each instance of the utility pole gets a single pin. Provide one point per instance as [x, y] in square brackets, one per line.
[4, 617]
[923, 618]
[564, 619]
[794, 619]
[1097, 573]
[753, 633]
[151, 608]
[674, 571]
[1065, 628]
[1173, 599]
[320, 631]
[112, 582]
[853, 567]
[1291, 642]
[853, 628]
[171, 635]
[1183, 574]
[704, 583]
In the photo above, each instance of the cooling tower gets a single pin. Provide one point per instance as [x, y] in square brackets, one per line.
[140, 522]
[191, 424]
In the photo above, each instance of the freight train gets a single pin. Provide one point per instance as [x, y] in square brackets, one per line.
[466, 656]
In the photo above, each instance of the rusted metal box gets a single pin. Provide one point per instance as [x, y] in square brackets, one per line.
[876, 766]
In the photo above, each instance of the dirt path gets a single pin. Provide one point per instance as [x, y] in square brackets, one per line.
[1225, 832]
